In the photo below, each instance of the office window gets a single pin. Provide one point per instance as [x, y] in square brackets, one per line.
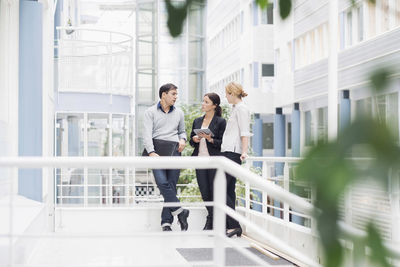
[267, 70]
[267, 15]
[385, 15]
[363, 108]
[289, 135]
[392, 118]
[349, 28]
[309, 129]
[290, 54]
[322, 130]
[241, 21]
[397, 11]
[268, 135]
[312, 47]
[371, 20]
[360, 24]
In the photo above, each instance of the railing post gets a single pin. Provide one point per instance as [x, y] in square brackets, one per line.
[265, 175]
[51, 200]
[11, 221]
[219, 217]
[286, 184]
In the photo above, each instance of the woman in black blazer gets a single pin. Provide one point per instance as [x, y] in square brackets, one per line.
[207, 145]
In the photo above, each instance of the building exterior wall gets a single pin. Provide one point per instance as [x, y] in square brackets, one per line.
[239, 42]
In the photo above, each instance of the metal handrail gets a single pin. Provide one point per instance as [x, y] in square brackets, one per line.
[221, 164]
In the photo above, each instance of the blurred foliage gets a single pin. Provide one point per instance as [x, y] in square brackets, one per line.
[328, 167]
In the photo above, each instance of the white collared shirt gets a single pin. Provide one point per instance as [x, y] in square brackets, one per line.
[238, 125]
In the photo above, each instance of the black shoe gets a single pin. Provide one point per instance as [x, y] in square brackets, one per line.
[236, 231]
[182, 218]
[209, 224]
[166, 228]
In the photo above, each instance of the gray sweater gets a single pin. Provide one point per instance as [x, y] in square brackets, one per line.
[160, 125]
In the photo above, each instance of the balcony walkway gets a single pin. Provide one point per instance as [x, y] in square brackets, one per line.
[72, 246]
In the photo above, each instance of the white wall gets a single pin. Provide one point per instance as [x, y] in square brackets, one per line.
[284, 86]
[9, 30]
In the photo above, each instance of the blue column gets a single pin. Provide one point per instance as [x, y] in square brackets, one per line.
[296, 130]
[279, 148]
[30, 96]
[257, 143]
[345, 111]
[296, 147]
[279, 139]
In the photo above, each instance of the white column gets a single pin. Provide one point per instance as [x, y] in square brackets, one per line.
[332, 70]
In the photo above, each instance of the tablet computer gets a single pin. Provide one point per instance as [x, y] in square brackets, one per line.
[205, 131]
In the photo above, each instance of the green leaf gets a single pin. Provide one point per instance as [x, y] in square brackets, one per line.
[176, 17]
[262, 3]
[285, 7]
[380, 79]
[374, 241]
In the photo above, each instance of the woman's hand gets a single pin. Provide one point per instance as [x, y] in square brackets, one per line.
[206, 136]
[196, 139]
[244, 156]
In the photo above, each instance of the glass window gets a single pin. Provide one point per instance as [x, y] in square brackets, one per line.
[360, 23]
[322, 125]
[397, 11]
[268, 135]
[267, 70]
[392, 118]
[98, 135]
[385, 15]
[289, 135]
[267, 15]
[363, 108]
[309, 129]
[371, 19]
[118, 135]
[349, 28]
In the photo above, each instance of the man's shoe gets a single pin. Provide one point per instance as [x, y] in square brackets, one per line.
[182, 218]
[166, 228]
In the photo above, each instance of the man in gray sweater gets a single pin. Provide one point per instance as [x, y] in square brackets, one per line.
[164, 122]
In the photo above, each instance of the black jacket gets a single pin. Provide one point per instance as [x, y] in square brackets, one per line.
[217, 126]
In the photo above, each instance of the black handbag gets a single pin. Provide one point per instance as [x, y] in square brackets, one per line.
[163, 147]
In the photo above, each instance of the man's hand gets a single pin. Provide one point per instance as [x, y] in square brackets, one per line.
[182, 144]
[153, 154]
[196, 139]
[244, 156]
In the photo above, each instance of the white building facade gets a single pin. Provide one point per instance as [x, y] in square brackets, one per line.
[240, 48]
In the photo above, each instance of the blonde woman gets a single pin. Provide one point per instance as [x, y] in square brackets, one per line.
[234, 146]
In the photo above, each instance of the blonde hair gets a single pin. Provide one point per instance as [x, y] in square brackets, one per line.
[236, 89]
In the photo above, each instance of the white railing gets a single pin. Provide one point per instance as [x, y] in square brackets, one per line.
[221, 164]
[94, 61]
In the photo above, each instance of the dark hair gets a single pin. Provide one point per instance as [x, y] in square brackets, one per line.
[166, 88]
[216, 101]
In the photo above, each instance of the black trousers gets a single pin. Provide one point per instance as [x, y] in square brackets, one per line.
[230, 190]
[205, 180]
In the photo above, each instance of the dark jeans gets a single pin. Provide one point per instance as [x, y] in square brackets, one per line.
[166, 180]
[230, 190]
[205, 180]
